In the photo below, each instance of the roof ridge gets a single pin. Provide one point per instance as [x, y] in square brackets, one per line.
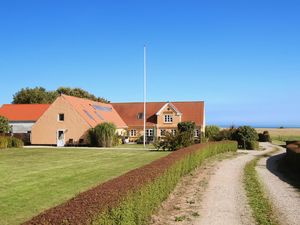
[156, 102]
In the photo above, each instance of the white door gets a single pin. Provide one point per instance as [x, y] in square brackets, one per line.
[60, 138]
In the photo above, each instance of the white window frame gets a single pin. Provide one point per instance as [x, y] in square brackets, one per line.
[168, 118]
[132, 133]
[163, 132]
[196, 133]
[149, 132]
[173, 131]
[58, 117]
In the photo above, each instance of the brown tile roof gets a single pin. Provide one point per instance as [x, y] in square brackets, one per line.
[191, 111]
[95, 113]
[23, 112]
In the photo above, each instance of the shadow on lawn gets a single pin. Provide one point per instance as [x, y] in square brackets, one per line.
[278, 165]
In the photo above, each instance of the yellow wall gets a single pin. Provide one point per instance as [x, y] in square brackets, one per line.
[45, 129]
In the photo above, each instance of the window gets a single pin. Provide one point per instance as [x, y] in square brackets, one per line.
[61, 117]
[162, 132]
[140, 116]
[149, 132]
[168, 118]
[132, 133]
[196, 133]
[173, 131]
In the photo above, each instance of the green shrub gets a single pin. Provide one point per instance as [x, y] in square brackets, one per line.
[245, 135]
[4, 125]
[16, 142]
[188, 129]
[10, 142]
[183, 138]
[252, 145]
[212, 132]
[264, 137]
[102, 135]
[3, 142]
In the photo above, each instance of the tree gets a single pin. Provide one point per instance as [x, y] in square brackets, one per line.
[40, 95]
[4, 125]
[186, 131]
[102, 135]
[212, 132]
[37, 95]
[246, 137]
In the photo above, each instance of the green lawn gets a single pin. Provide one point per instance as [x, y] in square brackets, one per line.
[33, 180]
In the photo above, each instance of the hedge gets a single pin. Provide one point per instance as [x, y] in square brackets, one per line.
[10, 142]
[293, 155]
[133, 197]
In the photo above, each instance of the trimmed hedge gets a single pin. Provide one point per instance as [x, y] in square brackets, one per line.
[10, 142]
[293, 155]
[133, 197]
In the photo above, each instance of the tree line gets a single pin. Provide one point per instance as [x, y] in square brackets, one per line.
[40, 95]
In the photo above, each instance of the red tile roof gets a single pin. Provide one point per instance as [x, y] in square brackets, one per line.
[191, 111]
[95, 113]
[23, 112]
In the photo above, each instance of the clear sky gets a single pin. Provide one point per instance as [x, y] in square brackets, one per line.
[242, 57]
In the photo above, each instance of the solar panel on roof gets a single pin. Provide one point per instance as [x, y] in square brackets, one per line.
[102, 108]
[89, 115]
[98, 114]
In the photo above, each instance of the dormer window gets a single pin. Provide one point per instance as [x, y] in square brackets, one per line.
[140, 116]
[168, 118]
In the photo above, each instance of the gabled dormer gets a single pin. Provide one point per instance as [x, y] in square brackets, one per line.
[168, 115]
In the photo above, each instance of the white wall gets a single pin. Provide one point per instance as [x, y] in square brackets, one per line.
[21, 127]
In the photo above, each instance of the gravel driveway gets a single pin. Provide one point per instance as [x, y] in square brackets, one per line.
[225, 200]
[285, 198]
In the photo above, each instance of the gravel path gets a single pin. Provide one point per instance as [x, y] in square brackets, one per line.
[285, 198]
[225, 200]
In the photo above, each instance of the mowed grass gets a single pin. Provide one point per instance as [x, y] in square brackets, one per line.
[33, 180]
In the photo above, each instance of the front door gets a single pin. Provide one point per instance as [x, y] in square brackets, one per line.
[60, 138]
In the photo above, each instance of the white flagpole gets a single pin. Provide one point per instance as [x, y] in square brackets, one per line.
[145, 91]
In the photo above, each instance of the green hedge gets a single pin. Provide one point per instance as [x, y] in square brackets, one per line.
[133, 197]
[10, 142]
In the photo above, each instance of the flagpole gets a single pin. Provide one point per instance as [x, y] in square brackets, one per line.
[145, 91]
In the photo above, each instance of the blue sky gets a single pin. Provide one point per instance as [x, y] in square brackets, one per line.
[241, 57]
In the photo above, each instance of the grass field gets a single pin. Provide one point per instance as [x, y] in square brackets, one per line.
[33, 180]
[279, 136]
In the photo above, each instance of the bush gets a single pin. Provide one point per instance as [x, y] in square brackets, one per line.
[245, 135]
[10, 142]
[133, 197]
[188, 128]
[264, 137]
[3, 142]
[183, 138]
[16, 142]
[102, 135]
[212, 132]
[252, 145]
[4, 125]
